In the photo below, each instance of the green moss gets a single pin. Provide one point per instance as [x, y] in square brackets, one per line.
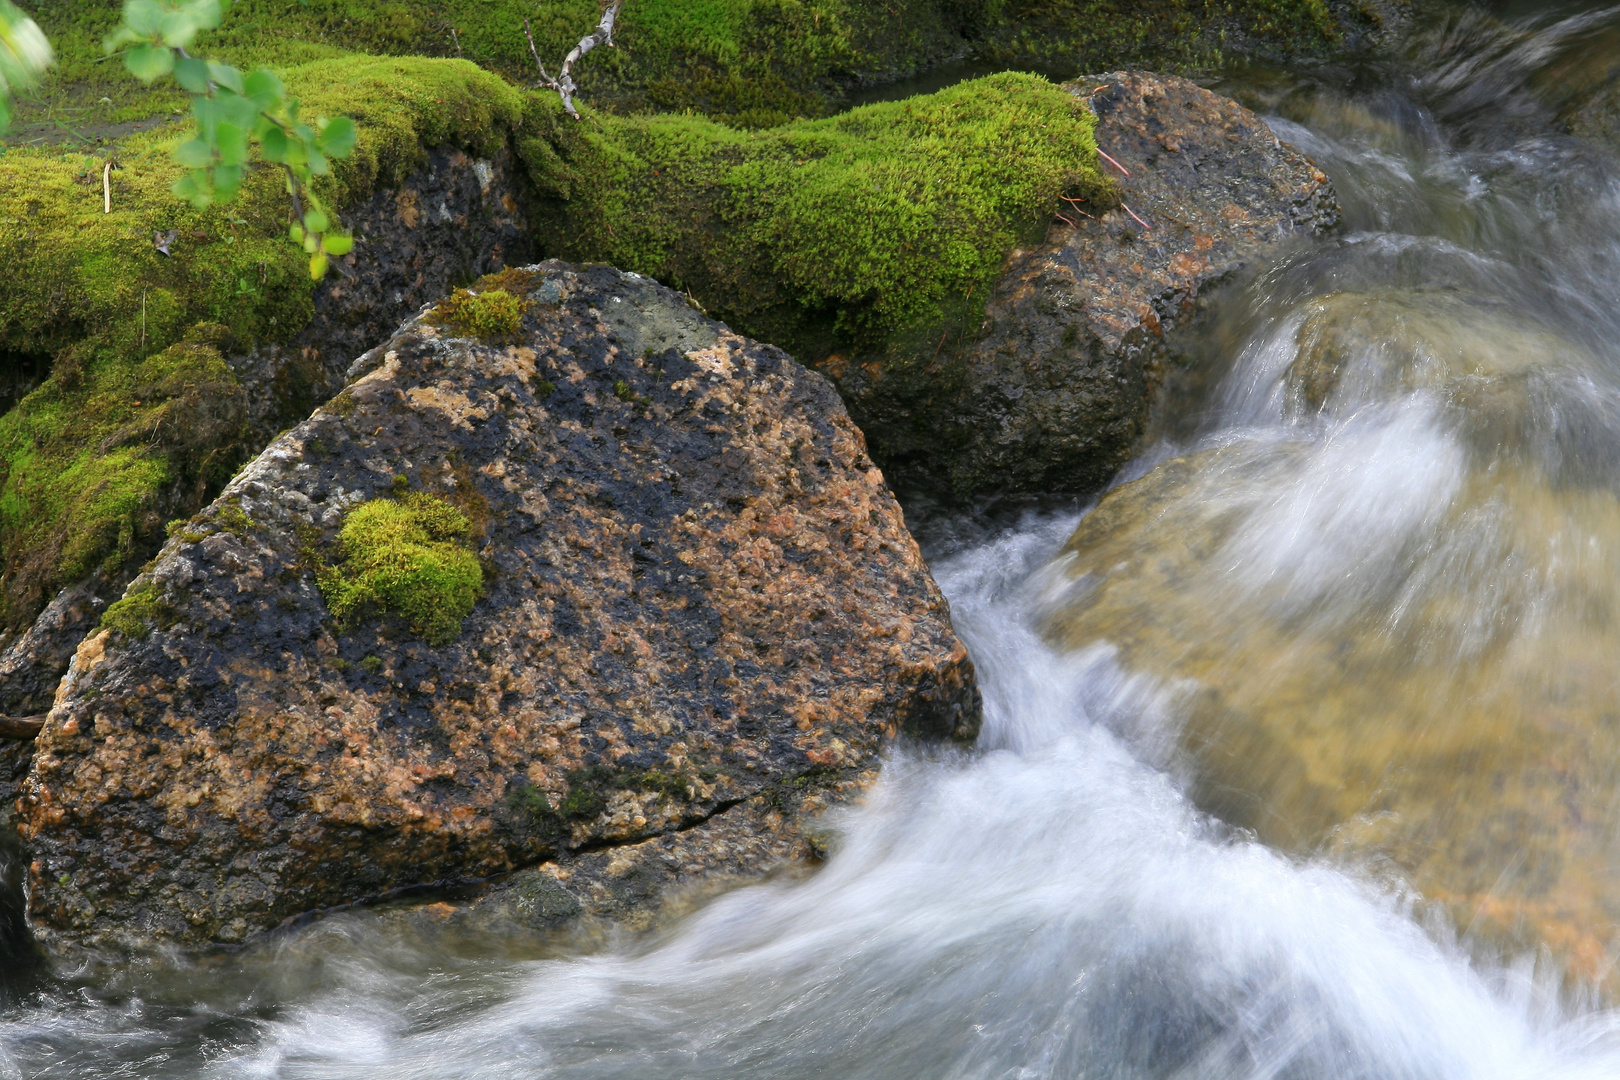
[752, 62]
[93, 465]
[868, 224]
[140, 611]
[407, 557]
[492, 314]
[94, 460]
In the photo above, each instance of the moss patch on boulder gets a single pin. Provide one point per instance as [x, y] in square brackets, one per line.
[407, 557]
[873, 223]
[492, 314]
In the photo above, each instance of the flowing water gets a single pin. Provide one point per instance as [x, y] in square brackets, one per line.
[1299, 754]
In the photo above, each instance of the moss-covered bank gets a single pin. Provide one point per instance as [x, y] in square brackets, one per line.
[753, 62]
[87, 471]
[859, 230]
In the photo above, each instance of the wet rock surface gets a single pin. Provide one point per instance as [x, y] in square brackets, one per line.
[449, 222]
[1053, 392]
[699, 599]
[457, 218]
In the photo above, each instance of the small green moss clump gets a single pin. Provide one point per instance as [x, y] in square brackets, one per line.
[142, 608]
[490, 315]
[407, 557]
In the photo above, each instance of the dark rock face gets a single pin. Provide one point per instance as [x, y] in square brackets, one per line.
[448, 223]
[700, 601]
[1055, 390]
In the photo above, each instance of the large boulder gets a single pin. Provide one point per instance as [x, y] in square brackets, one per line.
[1052, 392]
[698, 598]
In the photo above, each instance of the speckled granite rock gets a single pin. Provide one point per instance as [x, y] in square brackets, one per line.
[1054, 390]
[699, 592]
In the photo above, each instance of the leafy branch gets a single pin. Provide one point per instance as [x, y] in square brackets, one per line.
[24, 56]
[233, 113]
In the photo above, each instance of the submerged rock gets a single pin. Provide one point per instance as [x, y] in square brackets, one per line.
[1053, 391]
[1405, 663]
[698, 599]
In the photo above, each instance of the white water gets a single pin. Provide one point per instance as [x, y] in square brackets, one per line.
[1051, 905]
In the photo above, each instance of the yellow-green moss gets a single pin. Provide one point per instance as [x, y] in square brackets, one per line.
[95, 461]
[407, 557]
[140, 611]
[89, 466]
[753, 62]
[492, 314]
[879, 220]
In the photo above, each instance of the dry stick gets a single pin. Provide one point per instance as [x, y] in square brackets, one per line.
[1066, 221]
[1075, 206]
[456, 39]
[20, 728]
[1103, 154]
[106, 187]
[564, 82]
[1138, 220]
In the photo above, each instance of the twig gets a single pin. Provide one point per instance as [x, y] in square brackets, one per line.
[1075, 206]
[1103, 154]
[1138, 220]
[106, 187]
[457, 40]
[1066, 221]
[564, 82]
[20, 728]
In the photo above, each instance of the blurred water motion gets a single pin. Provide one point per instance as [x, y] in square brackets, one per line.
[1300, 748]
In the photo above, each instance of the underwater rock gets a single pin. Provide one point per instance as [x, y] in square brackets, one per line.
[1054, 391]
[698, 595]
[1419, 684]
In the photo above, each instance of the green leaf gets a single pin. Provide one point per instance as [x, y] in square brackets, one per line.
[227, 182]
[194, 189]
[178, 28]
[149, 62]
[273, 143]
[317, 164]
[191, 74]
[226, 76]
[316, 222]
[317, 265]
[209, 13]
[233, 144]
[337, 141]
[194, 154]
[144, 17]
[295, 232]
[264, 89]
[312, 243]
[336, 244]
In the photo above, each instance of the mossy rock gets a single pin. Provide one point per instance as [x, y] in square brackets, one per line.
[874, 223]
[94, 463]
[406, 557]
[141, 419]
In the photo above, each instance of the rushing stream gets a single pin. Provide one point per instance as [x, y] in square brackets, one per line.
[1299, 756]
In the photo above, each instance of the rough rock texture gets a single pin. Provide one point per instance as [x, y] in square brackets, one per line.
[698, 591]
[1054, 391]
[449, 222]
